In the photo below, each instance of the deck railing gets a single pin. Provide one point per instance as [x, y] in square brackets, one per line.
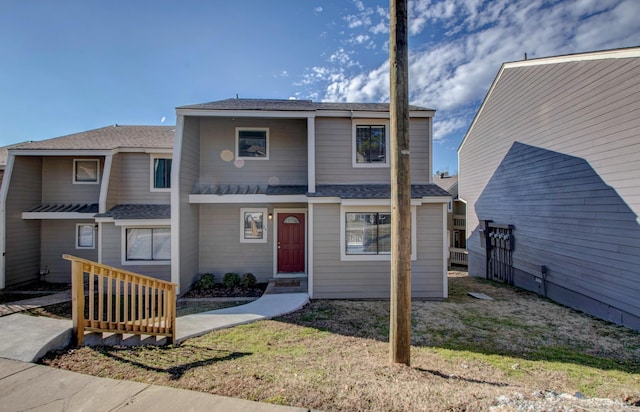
[112, 300]
[459, 221]
[458, 256]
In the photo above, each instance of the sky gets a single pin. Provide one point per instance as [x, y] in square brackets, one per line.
[70, 66]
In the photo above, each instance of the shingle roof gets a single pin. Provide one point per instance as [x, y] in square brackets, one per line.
[291, 105]
[91, 208]
[374, 191]
[138, 212]
[109, 138]
[231, 189]
[4, 152]
[446, 182]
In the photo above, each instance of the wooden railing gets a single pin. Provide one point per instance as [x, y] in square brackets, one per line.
[459, 221]
[112, 300]
[458, 256]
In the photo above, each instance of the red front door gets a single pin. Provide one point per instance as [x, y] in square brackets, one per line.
[291, 242]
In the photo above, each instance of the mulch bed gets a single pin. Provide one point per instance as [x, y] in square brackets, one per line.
[221, 292]
[39, 286]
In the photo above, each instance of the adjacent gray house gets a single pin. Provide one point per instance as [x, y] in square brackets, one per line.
[550, 172]
[294, 188]
[102, 195]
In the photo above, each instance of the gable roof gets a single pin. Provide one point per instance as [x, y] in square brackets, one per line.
[109, 138]
[551, 63]
[291, 105]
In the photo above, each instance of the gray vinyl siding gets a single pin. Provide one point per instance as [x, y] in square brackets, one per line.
[57, 181]
[336, 279]
[22, 237]
[334, 147]
[115, 179]
[135, 180]
[189, 222]
[111, 238]
[220, 248]
[287, 146]
[58, 237]
[555, 152]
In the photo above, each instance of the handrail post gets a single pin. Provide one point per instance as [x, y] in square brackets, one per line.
[77, 302]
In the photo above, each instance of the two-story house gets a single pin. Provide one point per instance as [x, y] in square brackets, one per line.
[294, 188]
[103, 195]
[278, 188]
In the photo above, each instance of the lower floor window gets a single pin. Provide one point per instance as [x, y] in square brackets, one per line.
[85, 238]
[367, 233]
[148, 243]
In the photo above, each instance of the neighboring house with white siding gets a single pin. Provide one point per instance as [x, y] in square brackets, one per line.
[103, 195]
[550, 172]
[294, 188]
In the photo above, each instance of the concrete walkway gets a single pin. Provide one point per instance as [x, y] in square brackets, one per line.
[25, 386]
[32, 303]
[28, 338]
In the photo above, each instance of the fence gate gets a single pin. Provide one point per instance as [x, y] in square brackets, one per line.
[498, 241]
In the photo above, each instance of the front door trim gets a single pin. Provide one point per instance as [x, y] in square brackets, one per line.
[276, 212]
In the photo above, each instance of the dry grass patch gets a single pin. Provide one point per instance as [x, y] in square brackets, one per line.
[333, 355]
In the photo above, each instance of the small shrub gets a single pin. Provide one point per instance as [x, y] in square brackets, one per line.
[248, 281]
[206, 282]
[231, 280]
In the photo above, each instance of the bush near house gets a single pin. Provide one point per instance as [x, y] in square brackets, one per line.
[231, 280]
[248, 281]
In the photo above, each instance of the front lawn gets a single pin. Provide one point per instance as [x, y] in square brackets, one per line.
[333, 355]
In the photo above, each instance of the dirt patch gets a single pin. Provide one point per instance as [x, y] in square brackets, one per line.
[467, 354]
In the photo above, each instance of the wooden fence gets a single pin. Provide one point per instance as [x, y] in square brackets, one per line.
[112, 300]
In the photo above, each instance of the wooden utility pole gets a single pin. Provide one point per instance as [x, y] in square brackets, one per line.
[400, 325]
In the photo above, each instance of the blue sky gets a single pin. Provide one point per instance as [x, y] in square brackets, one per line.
[69, 66]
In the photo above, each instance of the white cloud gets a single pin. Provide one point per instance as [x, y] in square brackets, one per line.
[318, 10]
[453, 74]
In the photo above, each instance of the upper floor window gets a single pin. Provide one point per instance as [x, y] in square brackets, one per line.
[370, 144]
[252, 143]
[160, 173]
[86, 171]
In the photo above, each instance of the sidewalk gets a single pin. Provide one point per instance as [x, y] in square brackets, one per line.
[25, 386]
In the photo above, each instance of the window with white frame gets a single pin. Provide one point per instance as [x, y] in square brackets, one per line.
[253, 225]
[147, 244]
[366, 233]
[370, 143]
[160, 173]
[86, 171]
[85, 236]
[252, 143]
